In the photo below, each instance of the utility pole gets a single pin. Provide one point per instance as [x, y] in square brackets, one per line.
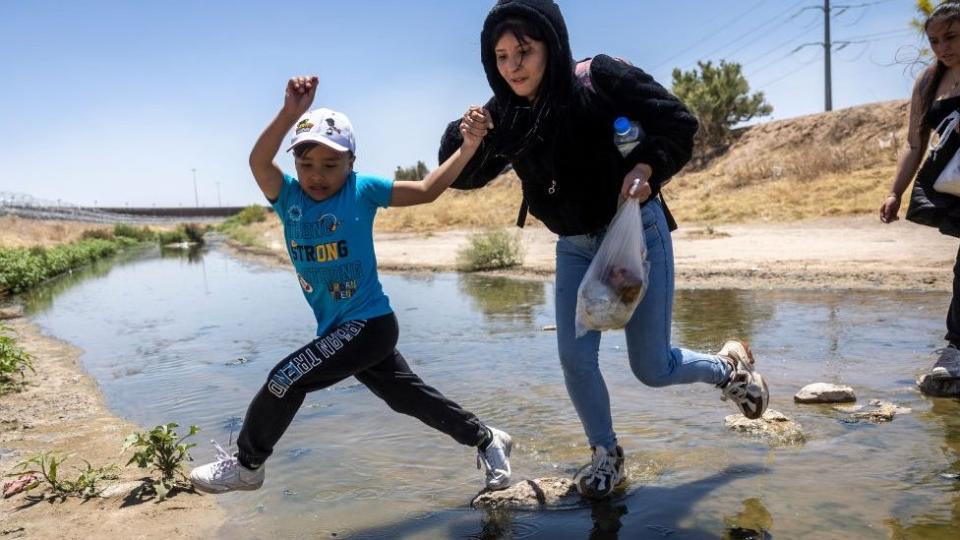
[827, 76]
[196, 194]
[219, 204]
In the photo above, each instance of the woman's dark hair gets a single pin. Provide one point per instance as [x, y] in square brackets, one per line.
[948, 12]
[520, 28]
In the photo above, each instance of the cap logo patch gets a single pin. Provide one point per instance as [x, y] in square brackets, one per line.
[304, 125]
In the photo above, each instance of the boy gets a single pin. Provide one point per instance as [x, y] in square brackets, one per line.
[327, 214]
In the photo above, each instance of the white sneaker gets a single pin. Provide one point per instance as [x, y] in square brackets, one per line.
[226, 474]
[744, 386]
[495, 460]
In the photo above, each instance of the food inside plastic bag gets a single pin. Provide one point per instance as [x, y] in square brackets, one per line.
[616, 280]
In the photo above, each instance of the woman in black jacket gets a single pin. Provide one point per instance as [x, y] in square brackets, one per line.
[936, 95]
[556, 130]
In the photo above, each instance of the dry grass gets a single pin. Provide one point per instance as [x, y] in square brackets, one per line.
[18, 232]
[833, 164]
[494, 206]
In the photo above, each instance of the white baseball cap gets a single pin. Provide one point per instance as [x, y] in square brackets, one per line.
[326, 127]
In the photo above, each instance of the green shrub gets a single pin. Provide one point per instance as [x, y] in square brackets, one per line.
[22, 268]
[101, 234]
[87, 484]
[489, 251]
[142, 234]
[161, 450]
[13, 360]
[249, 215]
[189, 232]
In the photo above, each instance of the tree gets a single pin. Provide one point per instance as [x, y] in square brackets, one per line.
[720, 97]
[416, 172]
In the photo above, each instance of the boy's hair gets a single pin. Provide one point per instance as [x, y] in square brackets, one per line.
[302, 148]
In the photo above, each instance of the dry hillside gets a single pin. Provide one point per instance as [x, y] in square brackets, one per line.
[839, 163]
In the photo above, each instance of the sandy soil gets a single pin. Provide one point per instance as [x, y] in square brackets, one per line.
[62, 410]
[838, 253]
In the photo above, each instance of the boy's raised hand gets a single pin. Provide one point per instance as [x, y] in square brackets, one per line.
[300, 93]
[474, 126]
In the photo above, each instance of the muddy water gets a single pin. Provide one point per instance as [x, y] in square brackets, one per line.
[190, 339]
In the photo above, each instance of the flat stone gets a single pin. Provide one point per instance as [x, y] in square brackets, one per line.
[939, 387]
[11, 312]
[773, 426]
[825, 393]
[533, 494]
[884, 412]
[120, 489]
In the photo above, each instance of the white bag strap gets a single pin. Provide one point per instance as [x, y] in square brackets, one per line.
[951, 121]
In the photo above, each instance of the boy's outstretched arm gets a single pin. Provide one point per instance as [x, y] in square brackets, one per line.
[474, 126]
[297, 100]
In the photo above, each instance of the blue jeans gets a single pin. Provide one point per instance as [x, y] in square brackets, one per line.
[652, 358]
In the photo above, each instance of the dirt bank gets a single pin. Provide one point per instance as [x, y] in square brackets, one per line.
[62, 410]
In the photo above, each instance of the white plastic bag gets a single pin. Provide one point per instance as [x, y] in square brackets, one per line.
[949, 179]
[617, 277]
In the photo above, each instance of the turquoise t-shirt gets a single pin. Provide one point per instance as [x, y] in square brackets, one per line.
[330, 244]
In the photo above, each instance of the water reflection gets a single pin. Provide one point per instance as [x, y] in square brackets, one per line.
[193, 254]
[753, 522]
[41, 298]
[504, 299]
[944, 416]
[704, 319]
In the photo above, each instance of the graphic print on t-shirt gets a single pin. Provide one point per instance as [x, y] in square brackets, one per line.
[339, 280]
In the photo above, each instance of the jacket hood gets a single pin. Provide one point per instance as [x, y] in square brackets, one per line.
[558, 80]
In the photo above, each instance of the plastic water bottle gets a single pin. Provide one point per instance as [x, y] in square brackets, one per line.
[626, 134]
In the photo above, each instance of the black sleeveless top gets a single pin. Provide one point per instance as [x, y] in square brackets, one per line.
[928, 206]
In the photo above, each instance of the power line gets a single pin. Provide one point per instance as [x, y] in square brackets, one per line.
[762, 26]
[707, 37]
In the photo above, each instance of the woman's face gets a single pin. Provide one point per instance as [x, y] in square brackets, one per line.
[943, 41]
[521, 63]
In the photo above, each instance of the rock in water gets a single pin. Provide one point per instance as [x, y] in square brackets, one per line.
[773, 426]
[939, 387]
[535, 494]
[825, 393]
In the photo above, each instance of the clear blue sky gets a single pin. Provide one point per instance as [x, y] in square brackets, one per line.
[115, 102]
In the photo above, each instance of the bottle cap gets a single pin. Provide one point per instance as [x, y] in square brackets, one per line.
[621, 125]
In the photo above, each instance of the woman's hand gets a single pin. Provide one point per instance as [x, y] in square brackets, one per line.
[474, 126]
[299, 94]
[889, 208]
[636, 184]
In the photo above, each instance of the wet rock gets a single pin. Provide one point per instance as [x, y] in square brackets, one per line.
[549, 328]
[238, 362]
[773, 426]
[884, 412]
[939, 387]
[11, 312]
[531, 495]
[825, 393]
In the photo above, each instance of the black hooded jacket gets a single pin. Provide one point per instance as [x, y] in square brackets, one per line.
[562, 146]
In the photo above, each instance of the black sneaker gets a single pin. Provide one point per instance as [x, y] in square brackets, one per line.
[948, 364]
[605, 472]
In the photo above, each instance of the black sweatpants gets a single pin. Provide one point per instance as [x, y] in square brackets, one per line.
[367, 350]
[953, 316]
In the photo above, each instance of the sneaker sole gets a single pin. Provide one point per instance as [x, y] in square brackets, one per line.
[206, 489]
